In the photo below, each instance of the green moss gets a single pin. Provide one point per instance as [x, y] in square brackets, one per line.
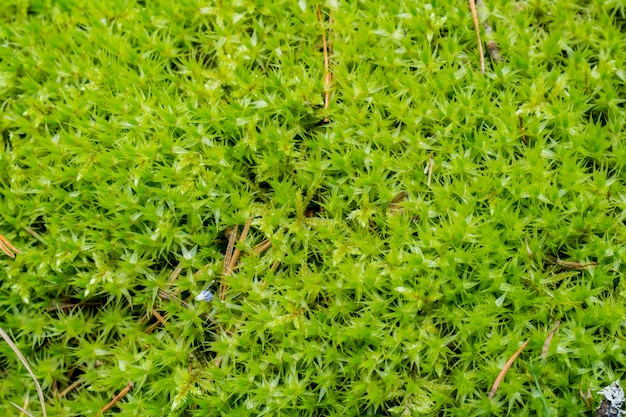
[136, 134]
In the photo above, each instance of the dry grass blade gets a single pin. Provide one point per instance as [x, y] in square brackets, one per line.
[328, 78]
[576, 266]
[546, 344]
[262, 247]
[237, 252]
[22, 359]
[176, 272]
[169, 296]
[7, 247]
[504, 370]
[71, 387]
[117, 398]
[492, 46]
[477, 29]
[232, 238]
[22, 410]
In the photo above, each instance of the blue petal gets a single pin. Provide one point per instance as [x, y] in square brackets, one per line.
[205, 295]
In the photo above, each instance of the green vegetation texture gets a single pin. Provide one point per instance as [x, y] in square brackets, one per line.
[437, 221]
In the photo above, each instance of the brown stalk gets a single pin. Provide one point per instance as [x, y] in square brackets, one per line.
[328, 78]
[71, 387]
[546, 344]
[232, 254]
[69, 306]
[159, 317]
[176, 272]
[521, 128]
[229, 251]
[477, 29]
[576, 266]
[492, 46]
[504, 370]
[242, 238]
[169, 296]
[117, 398]
[22, 410]
[7, 247]
[262, 247]
[35, 235]
[22, 359]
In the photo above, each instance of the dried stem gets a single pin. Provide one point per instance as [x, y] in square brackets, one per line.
[504, 370]
[22, 359]
[328, 78]
[262, 247]
[546, 344]
[176, 272]
[7, 247]
[242, 238]
[71, 387]
[492, 46]
[477, 29]
[521, 128]
[117, 398]
[22, 410]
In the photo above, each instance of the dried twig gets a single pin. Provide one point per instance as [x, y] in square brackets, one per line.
[237, 252]
[504, 370]
[7, 247]
[22, 410]
[159, 317]
[328, 78]
[117, 398]
[492, 46]
[546, 344]
[35, 235]
[477, 29]
[262, 247]
[176, 272]
[22, 359]
[232, 238]
[70, 306]
[521, 128]
[71, 387]
[572, 266]
[166, 295]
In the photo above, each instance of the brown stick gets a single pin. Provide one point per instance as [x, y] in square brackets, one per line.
[242, 238]
[35, 235]
[546, 344]
[176, 272]
[71, 387]
[521, 128]
[327, 75]
[262, 247]
[229, 251]
[492, 46]
[7, 247]
[477, 29]
[22, 410]
[159, 317]
[504, 370]
[117, 398]
[577, 266]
